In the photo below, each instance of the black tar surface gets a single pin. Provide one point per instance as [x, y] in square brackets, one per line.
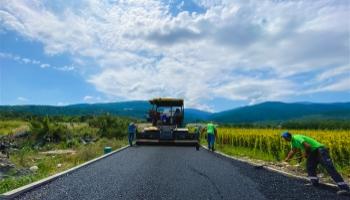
[163, 172]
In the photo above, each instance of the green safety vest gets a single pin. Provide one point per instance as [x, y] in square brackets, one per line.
[211, 129]
[298, 140]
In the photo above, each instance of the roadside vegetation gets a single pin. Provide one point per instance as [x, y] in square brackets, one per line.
[40, 146]
[53, 144]
[12, 126]
[266, 144]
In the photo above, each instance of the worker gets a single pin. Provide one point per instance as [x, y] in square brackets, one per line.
[177, 117]
[197, 130]
[164, 118]
[315, 153]
[131, 132]
[211, 133]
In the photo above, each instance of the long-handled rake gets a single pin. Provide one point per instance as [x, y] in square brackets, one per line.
[264, 165]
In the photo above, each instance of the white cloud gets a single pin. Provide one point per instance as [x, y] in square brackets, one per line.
[65, 68]
[91, 99]
[35, 62]
[335, 72]
[5, 55]
[26, 60]
[45, 65]
[62, 104]
[341, 85]
[180, 5]
[23, 99]
[240, 50]
[88, 98]
[23, 60]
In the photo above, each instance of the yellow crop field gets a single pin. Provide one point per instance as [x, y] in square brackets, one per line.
[269, 141]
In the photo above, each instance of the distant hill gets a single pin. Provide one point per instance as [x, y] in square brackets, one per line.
[194, 115]
[278, 111]
[136, 109]
[268, 111]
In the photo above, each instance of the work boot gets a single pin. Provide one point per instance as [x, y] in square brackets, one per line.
[312, 184]
[343, 192]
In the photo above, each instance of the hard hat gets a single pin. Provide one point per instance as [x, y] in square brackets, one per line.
[286, 134]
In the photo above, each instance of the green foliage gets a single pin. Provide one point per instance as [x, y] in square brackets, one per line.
[47, 165]
[86, 135]
[71, 130]
[39, 128]
[110, 126]
[11, 183]
[46, 131]
[10, 126]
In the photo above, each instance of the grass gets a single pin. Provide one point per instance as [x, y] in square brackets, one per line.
[11, 126]
[48, 164]
[244, 152]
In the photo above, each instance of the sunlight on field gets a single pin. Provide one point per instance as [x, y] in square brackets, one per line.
[270, 141]
[12, 126]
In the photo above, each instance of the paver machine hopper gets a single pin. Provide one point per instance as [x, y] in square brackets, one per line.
[167, 118]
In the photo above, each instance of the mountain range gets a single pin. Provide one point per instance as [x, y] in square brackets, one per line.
[267, 111]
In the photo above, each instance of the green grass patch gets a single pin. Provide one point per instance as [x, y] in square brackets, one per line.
[10, 126]
[48, 164]
[244, 152]
[260, 155]
[8, 184]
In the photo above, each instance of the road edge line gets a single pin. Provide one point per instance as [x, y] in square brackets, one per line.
[330, 185]
[16, 192]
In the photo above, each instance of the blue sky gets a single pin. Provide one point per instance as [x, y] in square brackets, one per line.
[215, 54]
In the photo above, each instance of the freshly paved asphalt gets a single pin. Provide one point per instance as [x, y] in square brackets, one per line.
[166, 172]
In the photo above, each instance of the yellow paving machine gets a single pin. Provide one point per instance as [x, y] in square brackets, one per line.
[167, 118]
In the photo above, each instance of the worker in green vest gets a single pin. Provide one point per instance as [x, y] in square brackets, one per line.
[211, 131]
[316, 153]
[197, 132]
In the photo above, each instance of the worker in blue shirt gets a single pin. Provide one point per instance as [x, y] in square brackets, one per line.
[131, 132]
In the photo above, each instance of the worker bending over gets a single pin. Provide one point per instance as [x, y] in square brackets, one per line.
[315, 153]
[211, 131]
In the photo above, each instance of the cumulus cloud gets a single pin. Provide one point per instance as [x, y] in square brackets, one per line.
[240, 50]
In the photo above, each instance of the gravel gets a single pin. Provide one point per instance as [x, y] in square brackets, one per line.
[167, 172]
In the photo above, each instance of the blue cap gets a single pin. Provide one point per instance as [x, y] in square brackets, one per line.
[286, 134]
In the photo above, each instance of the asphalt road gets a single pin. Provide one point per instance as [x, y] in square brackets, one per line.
[158, 172]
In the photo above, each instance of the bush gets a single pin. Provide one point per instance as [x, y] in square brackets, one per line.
[110, 126]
